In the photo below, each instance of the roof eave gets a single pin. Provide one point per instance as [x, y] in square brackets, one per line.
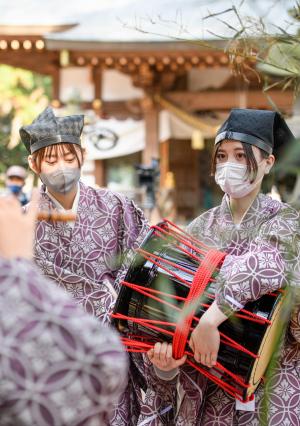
[129, 46]
[34, 30]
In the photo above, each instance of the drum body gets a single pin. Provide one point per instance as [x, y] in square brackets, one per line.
[248, 332]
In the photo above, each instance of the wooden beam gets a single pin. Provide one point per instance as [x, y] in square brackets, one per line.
[123, 109]
[160, 47]
[41, 62]
[225, 100]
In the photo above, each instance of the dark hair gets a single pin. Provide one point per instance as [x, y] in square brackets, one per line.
[252, 166]
[59, 148]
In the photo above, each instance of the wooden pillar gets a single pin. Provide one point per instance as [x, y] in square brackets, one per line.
[151, 118]
[164, 161]
[56, 86]
[100, 178]
[97, 80]
[100, 175]
[242, 92]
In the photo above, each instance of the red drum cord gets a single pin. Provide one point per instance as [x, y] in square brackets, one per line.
[147, 323]
[201, 279]
[209, 260]
[143, 346]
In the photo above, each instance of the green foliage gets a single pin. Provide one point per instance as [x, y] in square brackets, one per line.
[283, 59]
[16, 155]
[24, 95]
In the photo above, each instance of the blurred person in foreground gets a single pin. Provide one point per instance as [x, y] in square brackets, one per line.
[58, 365]
[15, 177]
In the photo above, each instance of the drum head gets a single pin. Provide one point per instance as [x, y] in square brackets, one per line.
[268, 344]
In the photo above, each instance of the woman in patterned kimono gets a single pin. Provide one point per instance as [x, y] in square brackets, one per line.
[261, 237]
[58, 365]
[85, 257]
[88, 257]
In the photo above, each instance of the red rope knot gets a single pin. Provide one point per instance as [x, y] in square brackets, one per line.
[211, 261]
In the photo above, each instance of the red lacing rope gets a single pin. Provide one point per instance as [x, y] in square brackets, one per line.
[142, 347]
[168, 262]
[193, 256]
[183, 299]
[255, 318]
[146, 346]
[148, 256]
[199, 284]
[147, 323]
[147, 292]
[188, 236]
[180, 239]
[178, 277]
[198, 287]
[201, 278]
[249, 315]
[190, 254]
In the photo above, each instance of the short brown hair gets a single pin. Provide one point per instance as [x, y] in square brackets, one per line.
[252, 166]
[62, 148]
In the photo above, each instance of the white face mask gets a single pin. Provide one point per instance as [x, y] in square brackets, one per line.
[62, 180]
[232, 179]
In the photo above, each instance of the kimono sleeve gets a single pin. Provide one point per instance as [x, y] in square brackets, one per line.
[160, 401]
[295, 318]
[133, 228]
[272, 262]
[57, 362]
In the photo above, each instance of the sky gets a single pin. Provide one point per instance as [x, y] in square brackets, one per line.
[142, 19]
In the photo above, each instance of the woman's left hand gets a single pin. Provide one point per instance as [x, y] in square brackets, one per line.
[205, 339]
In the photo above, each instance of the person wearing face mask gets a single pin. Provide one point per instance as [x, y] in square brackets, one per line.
[14, 182]
[88, 257]
[262, 240]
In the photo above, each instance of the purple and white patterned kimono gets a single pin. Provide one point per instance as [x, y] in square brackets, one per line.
[90, 257]
[87, 259]
[58, 365]
[263, 255]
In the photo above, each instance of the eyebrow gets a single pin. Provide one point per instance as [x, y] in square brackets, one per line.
[235, 149]
[54, 157]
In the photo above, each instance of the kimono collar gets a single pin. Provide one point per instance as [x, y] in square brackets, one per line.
[252, 216]
[57, 204]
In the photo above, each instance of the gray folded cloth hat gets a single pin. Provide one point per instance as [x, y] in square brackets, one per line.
[47, 129]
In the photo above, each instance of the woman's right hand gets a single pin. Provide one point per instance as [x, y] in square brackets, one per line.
[161, 357]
